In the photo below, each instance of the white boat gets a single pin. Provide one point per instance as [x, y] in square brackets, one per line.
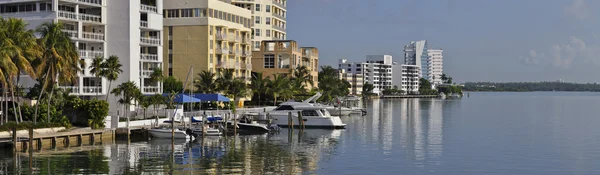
[210, 131]
[337, 111]
[166, 133]
[314, 116]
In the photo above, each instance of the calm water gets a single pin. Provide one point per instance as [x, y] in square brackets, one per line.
[486, 133]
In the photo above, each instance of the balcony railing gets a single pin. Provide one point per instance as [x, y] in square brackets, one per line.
[73, 89]
[147, 73]
[150, 40]
[221, 36]
[247, 41]
[277, 15]
[278, 4]
[246, 66]
[222, 51]
[279, 27]
[93, 36]
[148, 8]
[96, 2]
[90, 18]
[151, 89]
[149, 57]
[90, 54]
[247, 54]
[231, 37]
[222, 64]
[67, 15]
[92, 89]
[144, 24]
[72, 33]
[238, 53]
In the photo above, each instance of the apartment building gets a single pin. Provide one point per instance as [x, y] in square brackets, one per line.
[354, 79]
[269, 18]
[436, 66]
[283, 56]
[410, 78]
[127, 29]
[376, 70]
[211, 35]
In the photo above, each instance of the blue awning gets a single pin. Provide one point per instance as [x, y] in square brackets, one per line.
[182, 98]
[211, 97]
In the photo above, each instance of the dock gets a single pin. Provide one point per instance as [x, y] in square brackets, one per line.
[409, 96]
[66, 139]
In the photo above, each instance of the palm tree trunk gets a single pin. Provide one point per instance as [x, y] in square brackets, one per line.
[48, 105]
[13, 104]
[4, 94]
[37, 104]
[108, 90]
[18, 96]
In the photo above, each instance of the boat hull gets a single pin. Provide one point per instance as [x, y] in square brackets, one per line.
[250, 128]
[310, 122]
[166, 134]
[336, 112]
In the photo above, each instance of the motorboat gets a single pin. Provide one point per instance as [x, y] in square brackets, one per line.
[247, 125]
[314, 116]
[339, 111]
[167, 133]
[205, 130]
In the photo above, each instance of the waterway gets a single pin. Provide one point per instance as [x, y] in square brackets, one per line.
[485, 133]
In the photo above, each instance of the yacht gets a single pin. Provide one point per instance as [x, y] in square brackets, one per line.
[334, 111]
[314, 116]
[166, 133]
[249, 126]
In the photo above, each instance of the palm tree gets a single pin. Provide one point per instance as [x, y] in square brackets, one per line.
[444, 78]
[237, 89]
[258, 85]
[156, 75]
[302, 75]
[128, 92]
[59, 57]
[277, 86]
[112, 69]
[224, 79]
[97, 69]
[157, 99]
[206, 82]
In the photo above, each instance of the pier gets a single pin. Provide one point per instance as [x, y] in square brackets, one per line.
[65, 139]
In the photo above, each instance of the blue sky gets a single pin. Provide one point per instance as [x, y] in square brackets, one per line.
[483, 40]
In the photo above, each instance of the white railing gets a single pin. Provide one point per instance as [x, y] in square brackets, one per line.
[72, 33]
[97, 2]
[147, 73]
[144, 24]
[279, 4]
[67, 15]
[151, 57]
[151, 89]
[93, 36]
[222, 50]
[279, 27]
[92, 89]
[90, 54]
[150, 40]
[222, 64]
[148, 8]
[91, 18]
[281, 17]
[73, 89]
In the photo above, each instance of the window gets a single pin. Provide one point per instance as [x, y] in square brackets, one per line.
[45, 7]
[269, 61]
[257, 32]
[257, 44]
[211, 58]
[173, 13]
[268, 33]
[267, 20]
[267, 8]
[309, 113]
[257, 19]
[257, 8]
[210, 13]
[186, 13]
[284, 108]
[211, 44]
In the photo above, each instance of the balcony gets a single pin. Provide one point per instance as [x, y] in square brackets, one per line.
[146, 73]
[144, 24]
[279, 28]
[90, 18]
[92, 36]
[281, 17]
[247, 54]
[67, 15]
[238, 53]
[247, 41]
[221, 36]
[149, 57]
[92, 89]
[279, 4]
[247, 66]
[72, 89]
[72, 33]
[94, 2]
[222, 51]
[231, 38]
[148, 8]
[150, 40]
[90, 54]
[222, 64]
[151, 89]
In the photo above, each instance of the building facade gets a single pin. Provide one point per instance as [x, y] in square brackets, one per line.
[130, 30]
[377, 70]
[284, 56]
[210, 35]
[436, 66]
[353, 75]
[410, 78]
[415, 53]
[269, 18]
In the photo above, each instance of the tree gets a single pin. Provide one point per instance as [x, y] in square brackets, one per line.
[224, 79]
[172, 84]
[367, 89]
[97, 69]
[302, 75]
[60, 59]
[145, 102]
[112, 69]
[157, 100]
[237, 89]
[425, 87]
[156, 75]
[258, 85]
[277, 86]
[206, 82]
[331, 85]
[128, 91]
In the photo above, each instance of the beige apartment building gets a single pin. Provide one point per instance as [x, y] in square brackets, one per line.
[209, 35]
[355, 81]
[283, 56]
[269, 18]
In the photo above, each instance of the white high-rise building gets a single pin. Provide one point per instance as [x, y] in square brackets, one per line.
[128, 29]
[415, 53]
[269, 18]
[436, 66]
[377, 70]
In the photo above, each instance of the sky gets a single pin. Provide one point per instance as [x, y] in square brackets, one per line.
[483, 40]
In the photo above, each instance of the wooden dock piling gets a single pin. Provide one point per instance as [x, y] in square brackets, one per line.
[300, 120]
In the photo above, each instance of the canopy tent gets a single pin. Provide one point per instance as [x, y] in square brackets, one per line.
[211, 97]
[182, 98]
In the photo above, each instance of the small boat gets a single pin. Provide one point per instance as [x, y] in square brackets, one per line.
[205, 130]
[167, 133]
[249, 126]
[313, 116]
[337, 111]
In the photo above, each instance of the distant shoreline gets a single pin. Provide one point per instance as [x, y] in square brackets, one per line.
[530, 87]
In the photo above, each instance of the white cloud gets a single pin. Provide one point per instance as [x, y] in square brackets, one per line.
[564, 55]
[578, 9]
